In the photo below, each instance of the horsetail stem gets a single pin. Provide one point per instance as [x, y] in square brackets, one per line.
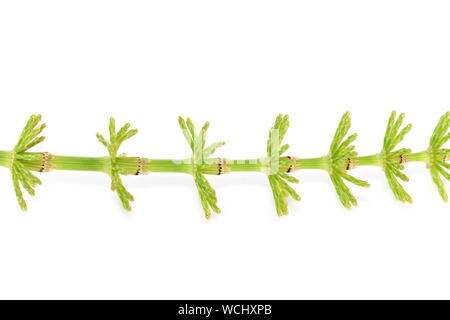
[340, 159]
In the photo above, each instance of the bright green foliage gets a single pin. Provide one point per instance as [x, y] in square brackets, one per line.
[23, 178]
[277, 178]
[200, 159]
[115, 141]
[340, 152]
[437, 154]
[341, 158]
[391, 160]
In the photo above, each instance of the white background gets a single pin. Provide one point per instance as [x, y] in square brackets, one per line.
[237, 64]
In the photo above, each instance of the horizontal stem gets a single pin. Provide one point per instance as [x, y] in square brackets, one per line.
[322, 163]
[79, 163]
[419, 157]
[372, 160]
[137, 165]
[167, 165]
[5, 158]
[253, 165]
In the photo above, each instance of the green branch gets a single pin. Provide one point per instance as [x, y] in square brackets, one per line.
[22, 177]
[278, 177]
[115, 141]
[438, 155]
[393, 161]
[341, 158]
[200, 162]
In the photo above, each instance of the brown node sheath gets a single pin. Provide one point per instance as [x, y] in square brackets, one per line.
[222, 167]
[402, 159]
[141, 163]
[351, 164]
[45, 165]
[292, 165]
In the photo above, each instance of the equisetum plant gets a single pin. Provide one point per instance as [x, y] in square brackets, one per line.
[340, 159]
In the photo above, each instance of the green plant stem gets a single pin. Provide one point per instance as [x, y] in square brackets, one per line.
[322, 163]
[129, 165]
[167, 165]
[423, 156]
[372, 160]
[80, 163]
[378, 159]
[5, 158]
[252, 165]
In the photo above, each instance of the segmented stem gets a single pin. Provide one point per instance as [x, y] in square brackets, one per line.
[341, 158]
